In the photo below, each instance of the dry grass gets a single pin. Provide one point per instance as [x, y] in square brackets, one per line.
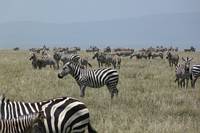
[148, 101]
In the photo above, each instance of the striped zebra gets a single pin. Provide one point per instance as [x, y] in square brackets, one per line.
[92, 78]
[22, 124]
[183, 72]
[62, 115]
[195, 70]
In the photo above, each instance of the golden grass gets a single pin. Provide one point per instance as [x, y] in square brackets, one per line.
[148, 101]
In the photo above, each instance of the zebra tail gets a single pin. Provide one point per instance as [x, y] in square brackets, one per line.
[91, 129]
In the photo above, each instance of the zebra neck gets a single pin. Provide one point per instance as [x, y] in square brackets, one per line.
[76, 71]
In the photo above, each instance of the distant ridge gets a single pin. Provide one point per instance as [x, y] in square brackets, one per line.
[181, 29]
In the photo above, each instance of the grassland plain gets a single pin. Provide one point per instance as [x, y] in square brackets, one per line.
[149, 101]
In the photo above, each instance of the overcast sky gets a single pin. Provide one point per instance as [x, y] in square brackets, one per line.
[67, 11]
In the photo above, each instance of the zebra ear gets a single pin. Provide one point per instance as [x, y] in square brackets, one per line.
[2, 96]
[183, 59]
[190, 59]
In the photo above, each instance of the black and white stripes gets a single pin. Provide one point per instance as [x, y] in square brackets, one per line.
[22, 124]
[195, 74]
[63, 115]
[92, 78]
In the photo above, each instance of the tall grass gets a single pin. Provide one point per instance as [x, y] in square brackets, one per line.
[148, 101]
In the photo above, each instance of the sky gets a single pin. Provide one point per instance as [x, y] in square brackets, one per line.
[69, 11]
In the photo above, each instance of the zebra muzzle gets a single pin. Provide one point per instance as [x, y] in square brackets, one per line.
[60, 76]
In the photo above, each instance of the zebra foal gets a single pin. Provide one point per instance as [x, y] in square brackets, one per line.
[22, 124]
[91, 78]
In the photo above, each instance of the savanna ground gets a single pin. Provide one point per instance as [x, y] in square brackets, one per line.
[148, 101]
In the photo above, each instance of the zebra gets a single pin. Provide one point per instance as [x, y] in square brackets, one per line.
[22, 124]
[64, 114]
[91, 78]
[183, 72]
[195, 70]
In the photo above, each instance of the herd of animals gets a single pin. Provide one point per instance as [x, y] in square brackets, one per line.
[67, 114]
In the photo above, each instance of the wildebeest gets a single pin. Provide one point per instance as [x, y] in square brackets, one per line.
[84, 62]
[39, 62]
[191, 49]
[107, 49]
[157, 54]
[173, 58]
[16, 48]
[103, 59]
[124, 53]
[92, 49]
[58, 56]
[139, 55]
[116, 61]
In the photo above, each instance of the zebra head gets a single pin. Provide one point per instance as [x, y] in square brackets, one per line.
[187, 63]
[33, 57]
[65, 70]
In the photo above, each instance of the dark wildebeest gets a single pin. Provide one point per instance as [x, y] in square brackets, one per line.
[183, 73]
[39, 63]
[173, 58]
[16, 49]
[102, 59]
[139, 55]
[192, 49]
[107, 49]
[84, 62]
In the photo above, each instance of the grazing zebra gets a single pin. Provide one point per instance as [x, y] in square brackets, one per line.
[22, 124]
[172, 58]
[92, 78]
[195, 70]
[63, 114]
[183, 72]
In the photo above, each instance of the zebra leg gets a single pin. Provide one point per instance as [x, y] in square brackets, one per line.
[186, 83]
[193, 82]
[82, 89]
